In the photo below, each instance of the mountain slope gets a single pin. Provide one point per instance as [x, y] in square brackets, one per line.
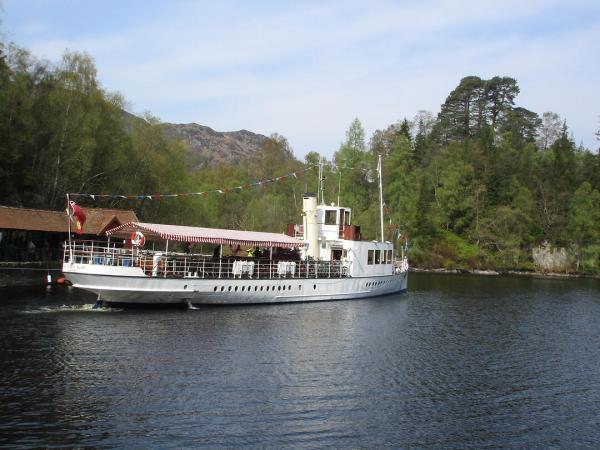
[207, 146]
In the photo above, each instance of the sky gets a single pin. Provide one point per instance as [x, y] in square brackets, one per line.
[306, 69]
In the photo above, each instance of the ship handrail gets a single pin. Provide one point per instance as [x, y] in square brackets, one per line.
[156, 263]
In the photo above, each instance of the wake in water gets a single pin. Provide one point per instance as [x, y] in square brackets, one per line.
[190, 306]
[73, 308]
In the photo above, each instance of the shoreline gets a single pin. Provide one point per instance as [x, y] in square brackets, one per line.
[29, 273]
[518, 273]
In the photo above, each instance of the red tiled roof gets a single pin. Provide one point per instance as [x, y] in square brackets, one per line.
[98, 219]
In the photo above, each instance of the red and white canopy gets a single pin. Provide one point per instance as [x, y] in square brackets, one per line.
[207, 235]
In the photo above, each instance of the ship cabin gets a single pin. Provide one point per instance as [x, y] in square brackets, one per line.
[331, 236]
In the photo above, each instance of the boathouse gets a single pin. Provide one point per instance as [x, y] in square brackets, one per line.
[37, 234]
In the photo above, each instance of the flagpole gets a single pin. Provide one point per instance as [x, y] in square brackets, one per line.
[380, 197]
[69, 222]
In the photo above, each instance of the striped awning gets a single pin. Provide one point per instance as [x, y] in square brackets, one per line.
[207, 235]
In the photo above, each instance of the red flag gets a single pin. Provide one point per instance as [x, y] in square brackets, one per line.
[79, 216]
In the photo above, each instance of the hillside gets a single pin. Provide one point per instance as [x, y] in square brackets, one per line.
[206, 145]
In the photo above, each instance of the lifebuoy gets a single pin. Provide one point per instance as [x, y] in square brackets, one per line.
[138, 239]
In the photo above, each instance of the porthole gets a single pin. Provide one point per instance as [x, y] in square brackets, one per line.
[289, 288]
[215, 289]
[278, 288]
[256, 288]
[267, 288]
[236, 289]
[299, 287]
[261, 288]
[222, 288]
[229, 288]
[243, 288]
[314, 286]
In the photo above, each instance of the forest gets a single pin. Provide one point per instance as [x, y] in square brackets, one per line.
[477, 186]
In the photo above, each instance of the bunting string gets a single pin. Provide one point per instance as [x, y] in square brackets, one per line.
[332, 166]
[221, 191]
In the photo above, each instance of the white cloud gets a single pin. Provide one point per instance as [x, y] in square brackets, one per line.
[307, 70]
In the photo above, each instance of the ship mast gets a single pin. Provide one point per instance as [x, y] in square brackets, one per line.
[380, 197]
[320, 187]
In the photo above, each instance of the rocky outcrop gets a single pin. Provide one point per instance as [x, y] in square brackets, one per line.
[210, 147]
[547, 258]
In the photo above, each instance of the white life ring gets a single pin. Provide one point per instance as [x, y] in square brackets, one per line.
[138, 239]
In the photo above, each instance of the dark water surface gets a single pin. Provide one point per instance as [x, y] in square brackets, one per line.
[457, 362]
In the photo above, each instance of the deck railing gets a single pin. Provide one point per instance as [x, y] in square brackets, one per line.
[180, 265]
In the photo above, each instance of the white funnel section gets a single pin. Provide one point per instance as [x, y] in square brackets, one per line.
[309, 211]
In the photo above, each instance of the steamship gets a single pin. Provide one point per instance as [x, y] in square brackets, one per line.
[322, 258]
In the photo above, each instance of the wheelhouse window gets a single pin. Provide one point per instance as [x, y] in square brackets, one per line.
[330, 216]
[371, 259]
[388, 256]
[346, 217]
[377, 258]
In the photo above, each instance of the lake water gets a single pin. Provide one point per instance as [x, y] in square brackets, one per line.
[457, 362]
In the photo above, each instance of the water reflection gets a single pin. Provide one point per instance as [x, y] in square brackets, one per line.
[456, 362]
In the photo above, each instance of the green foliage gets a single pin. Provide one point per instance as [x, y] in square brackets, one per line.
[355, 181]
[585, 214]
[476, 187]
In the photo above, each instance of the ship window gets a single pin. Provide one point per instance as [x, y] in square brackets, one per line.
[267, 288]
[371, 259]
[261, 288]
[222, 288]
[346, 217]
[330, 216]
[377, 259]
[314, 286]
[388, 257]
[299, 287]
[243, 288]
[236, 289]
[215, 289]
[278, 288]
[229, 288]
[289, 288]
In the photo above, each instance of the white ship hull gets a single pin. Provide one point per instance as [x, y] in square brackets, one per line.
[112, 285]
